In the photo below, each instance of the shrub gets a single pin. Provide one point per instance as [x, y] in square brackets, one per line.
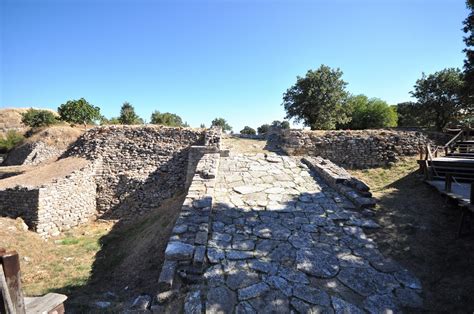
[168, 119]
[248, 130]
[370, 113]
[221, 122]
[264, 128]
[37, 118]
[10, 140]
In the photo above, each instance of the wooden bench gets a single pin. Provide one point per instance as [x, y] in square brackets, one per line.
[12, 300]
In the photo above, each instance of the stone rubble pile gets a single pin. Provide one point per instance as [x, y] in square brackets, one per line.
[354, 149]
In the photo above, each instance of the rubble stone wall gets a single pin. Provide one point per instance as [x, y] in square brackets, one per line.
[20, 202]
[354, 149]
[54, 207]
[31, 154]
[142, 165]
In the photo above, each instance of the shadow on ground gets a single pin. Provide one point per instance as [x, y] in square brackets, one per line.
[420, 232]
[131, 254]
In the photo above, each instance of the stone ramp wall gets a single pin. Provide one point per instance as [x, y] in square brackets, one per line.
[354, 149]
[54, 207]
[142, 165]
[185, 252]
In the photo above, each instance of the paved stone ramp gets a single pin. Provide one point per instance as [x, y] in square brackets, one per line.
[281, 241]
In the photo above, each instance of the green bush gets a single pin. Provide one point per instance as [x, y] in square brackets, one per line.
[37, 118]
[168, 119]
[370, 113]
[222, 123]
[248, 130]
[264, 128]
[9, 141]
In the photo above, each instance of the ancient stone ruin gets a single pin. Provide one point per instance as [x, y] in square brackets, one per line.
[256, 232]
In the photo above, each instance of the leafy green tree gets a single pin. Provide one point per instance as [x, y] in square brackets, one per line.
[38, 118]
[222, 123]
[368, 113]
[468, 88]
[166, 118]
[128, 115]
[439, 98]
[285, 125]
[202, 126]
[281, 124]
[10, 140]
[317, 99]
[408, 114]
[263, 129]
[248, 130]
[79, 112]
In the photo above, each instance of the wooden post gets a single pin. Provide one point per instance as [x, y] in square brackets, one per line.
[471, 199]
[10, 262]
[448, 182]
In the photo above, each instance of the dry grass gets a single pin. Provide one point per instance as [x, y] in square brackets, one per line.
[244, 145]
[55, 263]
[379, 178]
[419, 230]
[58, 136]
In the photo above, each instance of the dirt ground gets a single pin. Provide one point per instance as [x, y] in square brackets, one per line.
[128, 262]
[420, 232]
[55, 263]
[243, 145]
[44, 174]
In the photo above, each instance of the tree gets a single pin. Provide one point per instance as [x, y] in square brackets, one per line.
[408, 114]
[222, 123]
[248, 130]
[468, 88]
[79, 112]
[128, 115]
[368, 113]
[263, 129]
[37, 118]
[439, 98]
[202, 126]
[317, 99]
[280, 124]
[166, 118]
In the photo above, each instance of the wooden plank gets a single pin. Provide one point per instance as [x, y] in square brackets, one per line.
[46, 303]
[11, 267]
[7, 305]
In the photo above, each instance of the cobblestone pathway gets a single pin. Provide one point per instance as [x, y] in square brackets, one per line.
[282, 241]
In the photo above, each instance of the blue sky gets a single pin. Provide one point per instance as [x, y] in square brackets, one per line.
[204, 59]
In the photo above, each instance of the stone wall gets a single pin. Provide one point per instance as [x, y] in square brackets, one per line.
[185, 252]
[56, 206]
[20, 202]
[142, 165]
[354, 149]
[31, 154]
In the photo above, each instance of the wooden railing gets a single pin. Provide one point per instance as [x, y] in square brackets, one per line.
[10, 283]
[11, 296]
